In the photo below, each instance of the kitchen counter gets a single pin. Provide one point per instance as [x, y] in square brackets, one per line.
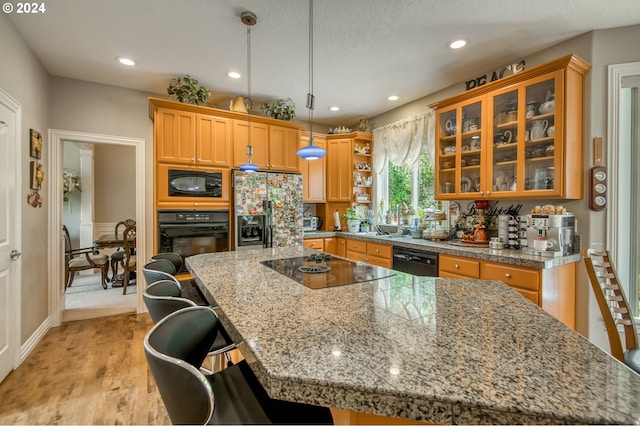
[421, 348]
[514, 257]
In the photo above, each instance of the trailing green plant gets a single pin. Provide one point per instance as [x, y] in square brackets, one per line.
[187, 90]
[282, 109]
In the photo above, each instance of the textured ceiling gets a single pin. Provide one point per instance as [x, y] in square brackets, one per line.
[365, 50]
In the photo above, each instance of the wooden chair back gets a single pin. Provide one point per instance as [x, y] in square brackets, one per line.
[122, 225]
[612, 301]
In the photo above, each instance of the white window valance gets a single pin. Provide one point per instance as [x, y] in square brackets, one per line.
[401, 142]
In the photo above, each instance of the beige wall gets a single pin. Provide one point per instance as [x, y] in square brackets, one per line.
[115, 192]
[24, 79]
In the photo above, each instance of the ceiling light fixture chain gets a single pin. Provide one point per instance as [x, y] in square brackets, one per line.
[311, 152]
[249, 19]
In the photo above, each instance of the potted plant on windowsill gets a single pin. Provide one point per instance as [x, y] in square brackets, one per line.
[353, 221]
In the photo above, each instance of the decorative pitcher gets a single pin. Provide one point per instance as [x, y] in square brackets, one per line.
[538, 129]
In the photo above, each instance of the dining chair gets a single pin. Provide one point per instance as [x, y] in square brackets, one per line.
[175, 348]
[129, 261]
[164, 297]
[117, 257]
[614, 307]
[81, 260]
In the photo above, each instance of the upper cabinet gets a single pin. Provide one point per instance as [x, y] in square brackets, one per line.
[259, 142]
[313, 172]
[192, 139]
[518, 137]
[284, 143]
[350, 168]
[193, 135]
[274, 147]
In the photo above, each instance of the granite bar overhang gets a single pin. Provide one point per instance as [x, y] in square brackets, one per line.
[421, 348]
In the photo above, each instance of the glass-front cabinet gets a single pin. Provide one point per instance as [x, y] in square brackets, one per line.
[519, 137]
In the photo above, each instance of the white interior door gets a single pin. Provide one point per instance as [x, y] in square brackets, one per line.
[8, 267]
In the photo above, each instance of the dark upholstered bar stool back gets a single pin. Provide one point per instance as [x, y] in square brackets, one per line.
[175, 348]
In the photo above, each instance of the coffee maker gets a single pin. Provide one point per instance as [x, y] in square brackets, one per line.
[550, 235]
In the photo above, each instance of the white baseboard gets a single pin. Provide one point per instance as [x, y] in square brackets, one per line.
[33, 340]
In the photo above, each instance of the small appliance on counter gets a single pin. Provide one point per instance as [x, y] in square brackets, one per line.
[550, 235]
[312, 223]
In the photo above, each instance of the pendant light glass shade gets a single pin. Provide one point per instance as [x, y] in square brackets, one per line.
[311, 152]
[249, 19]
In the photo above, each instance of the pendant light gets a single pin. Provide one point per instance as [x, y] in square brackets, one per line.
[249, 19]
[311, 152]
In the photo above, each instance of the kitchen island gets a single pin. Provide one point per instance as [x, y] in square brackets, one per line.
[420, 348]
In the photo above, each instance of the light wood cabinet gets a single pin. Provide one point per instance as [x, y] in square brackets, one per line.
[372, 253]
[338, 169]
[341, 247]
[284, 143]
[330, 245]
[349, 168]
[517, 137]
[313, 172]
[175, 136]
[554, 289]
[274, 147]
[213, 141]
[455, 267]
[192, 139]
[259, 142]
[314, 243]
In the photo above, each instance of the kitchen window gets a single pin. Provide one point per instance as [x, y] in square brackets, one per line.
[412, 184]
[403, 162]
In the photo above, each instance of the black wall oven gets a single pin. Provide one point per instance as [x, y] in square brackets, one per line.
[194, 183]
[192, 232]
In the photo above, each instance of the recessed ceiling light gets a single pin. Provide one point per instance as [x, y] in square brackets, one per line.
[334, 108]
[233, 74]
[125, 61]
[457, 44]
[393, 98]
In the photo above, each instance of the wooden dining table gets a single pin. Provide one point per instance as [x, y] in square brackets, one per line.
[111, 241]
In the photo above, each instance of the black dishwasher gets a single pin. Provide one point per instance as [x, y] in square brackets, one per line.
[416, 262]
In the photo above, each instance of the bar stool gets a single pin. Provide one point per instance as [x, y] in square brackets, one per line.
[176, 346]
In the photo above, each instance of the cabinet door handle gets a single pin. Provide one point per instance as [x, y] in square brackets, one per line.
[377, 250]
[193, 160]
[508, 275]
[456, 266]
[488, 192]
[482, 193]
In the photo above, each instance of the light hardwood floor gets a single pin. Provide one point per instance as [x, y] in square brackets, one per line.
[85, 372]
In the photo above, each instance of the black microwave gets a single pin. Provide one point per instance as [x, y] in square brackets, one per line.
[194, 183]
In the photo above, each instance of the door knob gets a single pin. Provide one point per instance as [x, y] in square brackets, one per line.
[14, 255]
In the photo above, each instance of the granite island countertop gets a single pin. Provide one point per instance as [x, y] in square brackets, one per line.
[422, 348]
[508, 256]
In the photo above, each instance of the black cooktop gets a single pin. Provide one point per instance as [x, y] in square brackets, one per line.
[322, 270]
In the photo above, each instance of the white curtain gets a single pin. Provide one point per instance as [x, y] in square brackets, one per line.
[401, 142]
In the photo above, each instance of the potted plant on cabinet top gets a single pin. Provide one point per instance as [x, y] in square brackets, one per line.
[187, 90]
[353, 221]
[282, 109]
